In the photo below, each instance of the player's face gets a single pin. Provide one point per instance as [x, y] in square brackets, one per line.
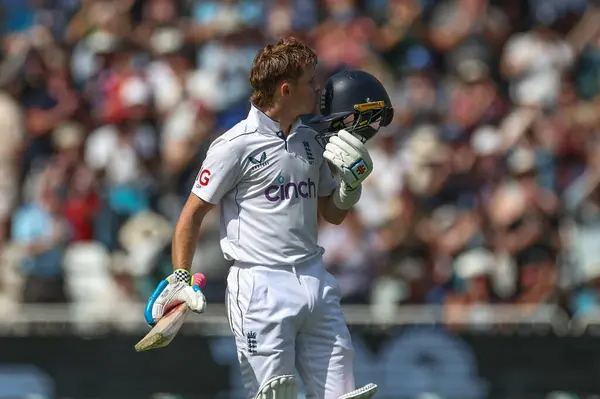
[305, 92]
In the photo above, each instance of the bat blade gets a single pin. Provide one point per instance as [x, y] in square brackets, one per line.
[165, 329]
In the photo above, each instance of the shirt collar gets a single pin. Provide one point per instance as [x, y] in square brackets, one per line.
[261, 122]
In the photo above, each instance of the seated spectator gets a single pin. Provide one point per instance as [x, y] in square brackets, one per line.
[82, 204]
[41, 231]
[473, 286]
[537, 278]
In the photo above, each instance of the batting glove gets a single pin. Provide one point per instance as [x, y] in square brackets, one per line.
[353, 163]
[351, 158]
[177, 288]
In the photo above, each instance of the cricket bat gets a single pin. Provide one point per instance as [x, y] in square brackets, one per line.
[167, 327]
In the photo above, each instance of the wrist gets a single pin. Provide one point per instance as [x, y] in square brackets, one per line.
[182, 276]
[345, 197]
[196, 280]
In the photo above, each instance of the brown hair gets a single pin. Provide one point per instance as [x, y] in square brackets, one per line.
[285, 60]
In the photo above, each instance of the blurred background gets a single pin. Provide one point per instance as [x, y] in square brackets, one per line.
[470, 268]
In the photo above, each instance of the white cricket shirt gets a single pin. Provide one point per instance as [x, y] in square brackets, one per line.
[268, 188]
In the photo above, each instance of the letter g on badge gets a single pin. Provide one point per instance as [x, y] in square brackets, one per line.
[203, 178]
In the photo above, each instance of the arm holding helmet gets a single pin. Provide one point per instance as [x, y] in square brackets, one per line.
[353, 164]
[354, 105]
[347, 153]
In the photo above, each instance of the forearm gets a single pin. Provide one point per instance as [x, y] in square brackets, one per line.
[332, 213]
[349, 156]
[185, 237]
[184, 244]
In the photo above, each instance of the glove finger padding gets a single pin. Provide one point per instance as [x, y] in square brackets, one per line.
[348, 154]
[194, 298]
[350, 139]
[351, 142]
[333, 158]
[342, 150]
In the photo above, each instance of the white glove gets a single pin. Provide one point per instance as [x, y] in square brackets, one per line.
[349, 155]
[352, 160]
[177, 288]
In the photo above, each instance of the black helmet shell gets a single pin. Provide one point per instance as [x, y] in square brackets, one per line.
[354, 92]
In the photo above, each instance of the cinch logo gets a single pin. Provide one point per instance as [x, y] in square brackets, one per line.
[285, 191]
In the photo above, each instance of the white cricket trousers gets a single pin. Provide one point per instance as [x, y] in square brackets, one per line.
[290, 318]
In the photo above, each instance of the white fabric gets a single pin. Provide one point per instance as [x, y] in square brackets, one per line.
[205, 85]
[382, 189]
[167, 40]
[349, 155]
[104, 151]
[474, 263]
[268, 188]
[486, 140]
[543, 61]
[135, 92]
[87, 274]
[166, 87]
[282, 318]
[180, 123]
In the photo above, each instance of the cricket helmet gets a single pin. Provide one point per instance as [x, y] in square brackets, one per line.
[355, 101]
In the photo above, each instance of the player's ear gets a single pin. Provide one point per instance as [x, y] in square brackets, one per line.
[285, 89]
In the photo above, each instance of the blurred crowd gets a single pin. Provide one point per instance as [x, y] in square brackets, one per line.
[486, 188]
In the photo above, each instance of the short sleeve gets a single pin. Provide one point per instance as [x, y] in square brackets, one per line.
[327, 183]
[220, 172]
